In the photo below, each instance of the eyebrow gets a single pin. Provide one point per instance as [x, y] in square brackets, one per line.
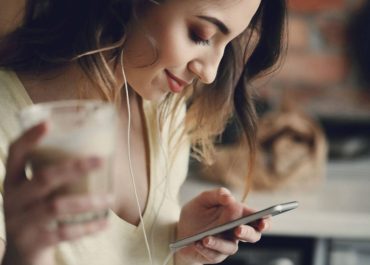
[219, 24]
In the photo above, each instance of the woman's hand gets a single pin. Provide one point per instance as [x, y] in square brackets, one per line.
[208, 210]
[32, 208]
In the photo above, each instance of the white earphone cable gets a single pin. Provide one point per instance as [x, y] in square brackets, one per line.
[164, 182]
[130, 163]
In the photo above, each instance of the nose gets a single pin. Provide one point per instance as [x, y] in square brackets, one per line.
[205, 65]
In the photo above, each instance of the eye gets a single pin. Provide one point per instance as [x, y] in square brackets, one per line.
[197, 39]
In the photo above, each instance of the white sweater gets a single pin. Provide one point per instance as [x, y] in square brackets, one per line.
[122, 243]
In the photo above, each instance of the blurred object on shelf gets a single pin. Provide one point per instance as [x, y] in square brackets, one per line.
[344, 116]
[281, 261]
[291, 151]
[349, 138]
[350, 253]
[348, 148]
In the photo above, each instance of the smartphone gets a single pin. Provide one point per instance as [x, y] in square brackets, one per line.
[265, 213]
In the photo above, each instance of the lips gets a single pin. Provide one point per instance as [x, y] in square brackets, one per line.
[176, 84]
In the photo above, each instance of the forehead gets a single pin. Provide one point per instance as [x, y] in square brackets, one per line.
[236, 14]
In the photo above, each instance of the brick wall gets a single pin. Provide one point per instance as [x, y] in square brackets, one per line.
[317, 71]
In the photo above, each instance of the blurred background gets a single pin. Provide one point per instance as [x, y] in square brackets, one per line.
[313, 143]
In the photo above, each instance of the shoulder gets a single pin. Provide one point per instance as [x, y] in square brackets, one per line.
[12, 99]
[12, 90]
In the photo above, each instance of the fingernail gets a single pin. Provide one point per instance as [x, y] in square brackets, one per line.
[225, 191]
[239, 231]
[261, 225]
[208, 242]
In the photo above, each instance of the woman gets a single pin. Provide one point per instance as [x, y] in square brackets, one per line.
[170, 53]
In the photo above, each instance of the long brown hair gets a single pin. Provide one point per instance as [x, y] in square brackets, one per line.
[230, 97]
[56, 33]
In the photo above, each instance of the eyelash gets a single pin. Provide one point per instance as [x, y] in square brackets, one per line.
[198, 40]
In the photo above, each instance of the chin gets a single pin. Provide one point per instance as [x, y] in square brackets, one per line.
[153, 94]
[151, 91]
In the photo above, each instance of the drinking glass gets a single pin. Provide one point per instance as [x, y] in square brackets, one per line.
[76, 129]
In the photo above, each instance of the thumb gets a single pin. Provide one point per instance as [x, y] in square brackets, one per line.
[215, 197]
[19, 150]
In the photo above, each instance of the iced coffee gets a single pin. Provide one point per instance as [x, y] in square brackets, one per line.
[76, 129]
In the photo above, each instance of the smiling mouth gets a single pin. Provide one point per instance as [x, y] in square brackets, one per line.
[176, 84]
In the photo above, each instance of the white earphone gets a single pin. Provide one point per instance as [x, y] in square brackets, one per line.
[130, 162]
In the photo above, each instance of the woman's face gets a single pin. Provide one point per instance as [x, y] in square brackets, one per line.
[181, 40]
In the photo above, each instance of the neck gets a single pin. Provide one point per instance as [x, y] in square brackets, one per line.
[68, 84]
[63, 84]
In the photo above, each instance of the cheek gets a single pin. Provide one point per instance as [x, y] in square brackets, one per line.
[173, 47]
[169, 48]
[139, 60]
[138, 51]
[146, 58]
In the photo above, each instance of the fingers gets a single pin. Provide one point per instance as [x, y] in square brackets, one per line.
[71, 207]
[247, 233]
[71, 232]
[51, 178]
[263, 225]
[18, 151]
[210, 256]
[216, 249]
[220, 196]
[49, 237]
[40, 223]
[220, 245]
[75, 209]
[38, 212]
[60, 208]
[48, 180]
[251, 233]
